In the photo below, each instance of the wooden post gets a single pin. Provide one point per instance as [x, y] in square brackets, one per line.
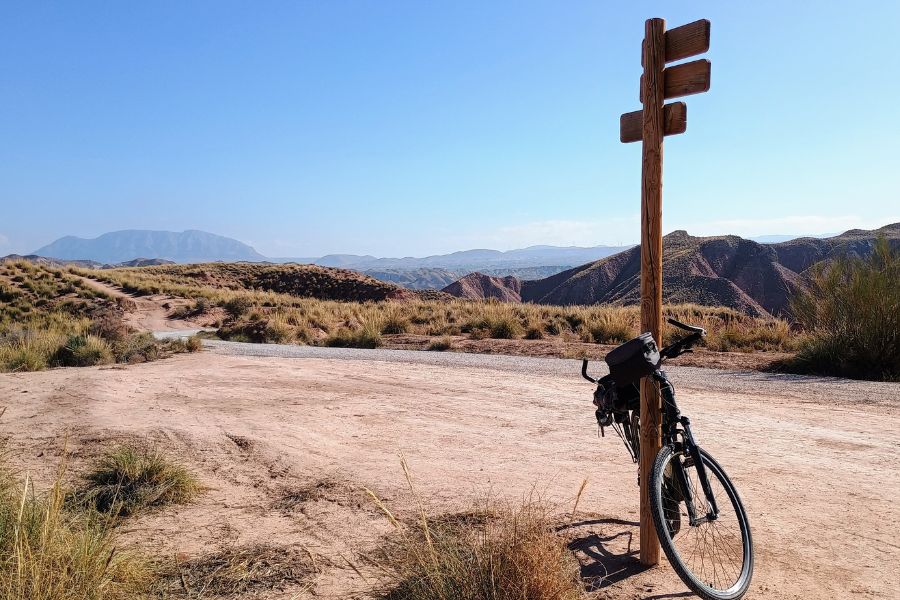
[652, 92]
[649, 125]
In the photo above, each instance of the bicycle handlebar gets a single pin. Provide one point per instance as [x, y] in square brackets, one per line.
[671, 351]
[584, 367]
[686, 327]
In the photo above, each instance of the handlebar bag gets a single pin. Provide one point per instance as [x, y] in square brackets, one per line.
[634, 359]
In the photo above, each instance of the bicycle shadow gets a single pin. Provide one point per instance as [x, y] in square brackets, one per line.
[608, 556]
[608, 553]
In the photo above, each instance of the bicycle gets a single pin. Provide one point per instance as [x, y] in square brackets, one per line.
[698, 516]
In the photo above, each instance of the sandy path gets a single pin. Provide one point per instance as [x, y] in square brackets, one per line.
[820, 479]
[147, 313]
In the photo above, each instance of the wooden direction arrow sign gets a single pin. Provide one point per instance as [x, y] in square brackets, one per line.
[674, 122]
[684, 79]
[655, 120]
[688, 40]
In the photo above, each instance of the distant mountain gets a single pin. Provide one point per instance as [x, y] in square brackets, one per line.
[755, 278]
[122, 246]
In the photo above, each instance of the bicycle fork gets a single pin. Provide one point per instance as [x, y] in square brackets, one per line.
[690, 450]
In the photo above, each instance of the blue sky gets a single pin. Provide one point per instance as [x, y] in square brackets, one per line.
[411, 128]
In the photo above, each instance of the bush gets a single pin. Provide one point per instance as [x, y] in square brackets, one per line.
[534, 332]
[442, 344]
[137, 348]
[237, 306]
[128, 479]
[394, 323]
[109, 326]
[366, 336]
[84, 351]
[193, 344]
[851, 312]
[272, 330]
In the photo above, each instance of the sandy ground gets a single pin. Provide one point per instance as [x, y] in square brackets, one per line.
[286, 445]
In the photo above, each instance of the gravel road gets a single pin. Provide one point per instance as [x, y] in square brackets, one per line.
[795, 387]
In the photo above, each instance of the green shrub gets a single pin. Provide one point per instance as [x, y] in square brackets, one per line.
[534, 332]
[137, 348]
[128, 479]
[505, 328]
[84, 351]
[366, 336]
[440, 345]
[237, 306]
[272, 330]
[394, 323]
[193, 344]
[110, 326]
[851, 312]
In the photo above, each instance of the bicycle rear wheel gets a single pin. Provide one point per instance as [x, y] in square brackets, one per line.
[714, 557]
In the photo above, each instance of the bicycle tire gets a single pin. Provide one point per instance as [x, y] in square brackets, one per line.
[657, 507]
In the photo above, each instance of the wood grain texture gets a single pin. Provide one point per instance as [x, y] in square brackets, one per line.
[687, 40]
[674, 122]
[688, 78]
[652, 129]
[685, 79]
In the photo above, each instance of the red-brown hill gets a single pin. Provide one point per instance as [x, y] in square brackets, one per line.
[481, 286]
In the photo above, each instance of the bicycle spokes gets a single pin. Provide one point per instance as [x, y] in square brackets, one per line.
[708, 541]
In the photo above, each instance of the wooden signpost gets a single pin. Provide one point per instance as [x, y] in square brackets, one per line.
[649, 125]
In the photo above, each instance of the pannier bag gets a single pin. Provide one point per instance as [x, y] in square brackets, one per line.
[634, 359]
[612, 397]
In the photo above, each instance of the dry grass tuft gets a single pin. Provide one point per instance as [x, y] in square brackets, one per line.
[128, 479]
[366, 335]
[497, 551]
[501, 553]
[234, 572]
[50, 553]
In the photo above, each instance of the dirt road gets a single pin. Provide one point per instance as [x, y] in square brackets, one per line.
[286, 444]
[151, 313]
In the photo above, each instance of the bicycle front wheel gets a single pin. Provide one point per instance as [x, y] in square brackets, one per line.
[712, 553]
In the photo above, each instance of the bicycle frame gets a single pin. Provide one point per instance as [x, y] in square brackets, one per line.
[681, 440]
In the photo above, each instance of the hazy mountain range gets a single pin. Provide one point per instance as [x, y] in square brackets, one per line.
[430, 271]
